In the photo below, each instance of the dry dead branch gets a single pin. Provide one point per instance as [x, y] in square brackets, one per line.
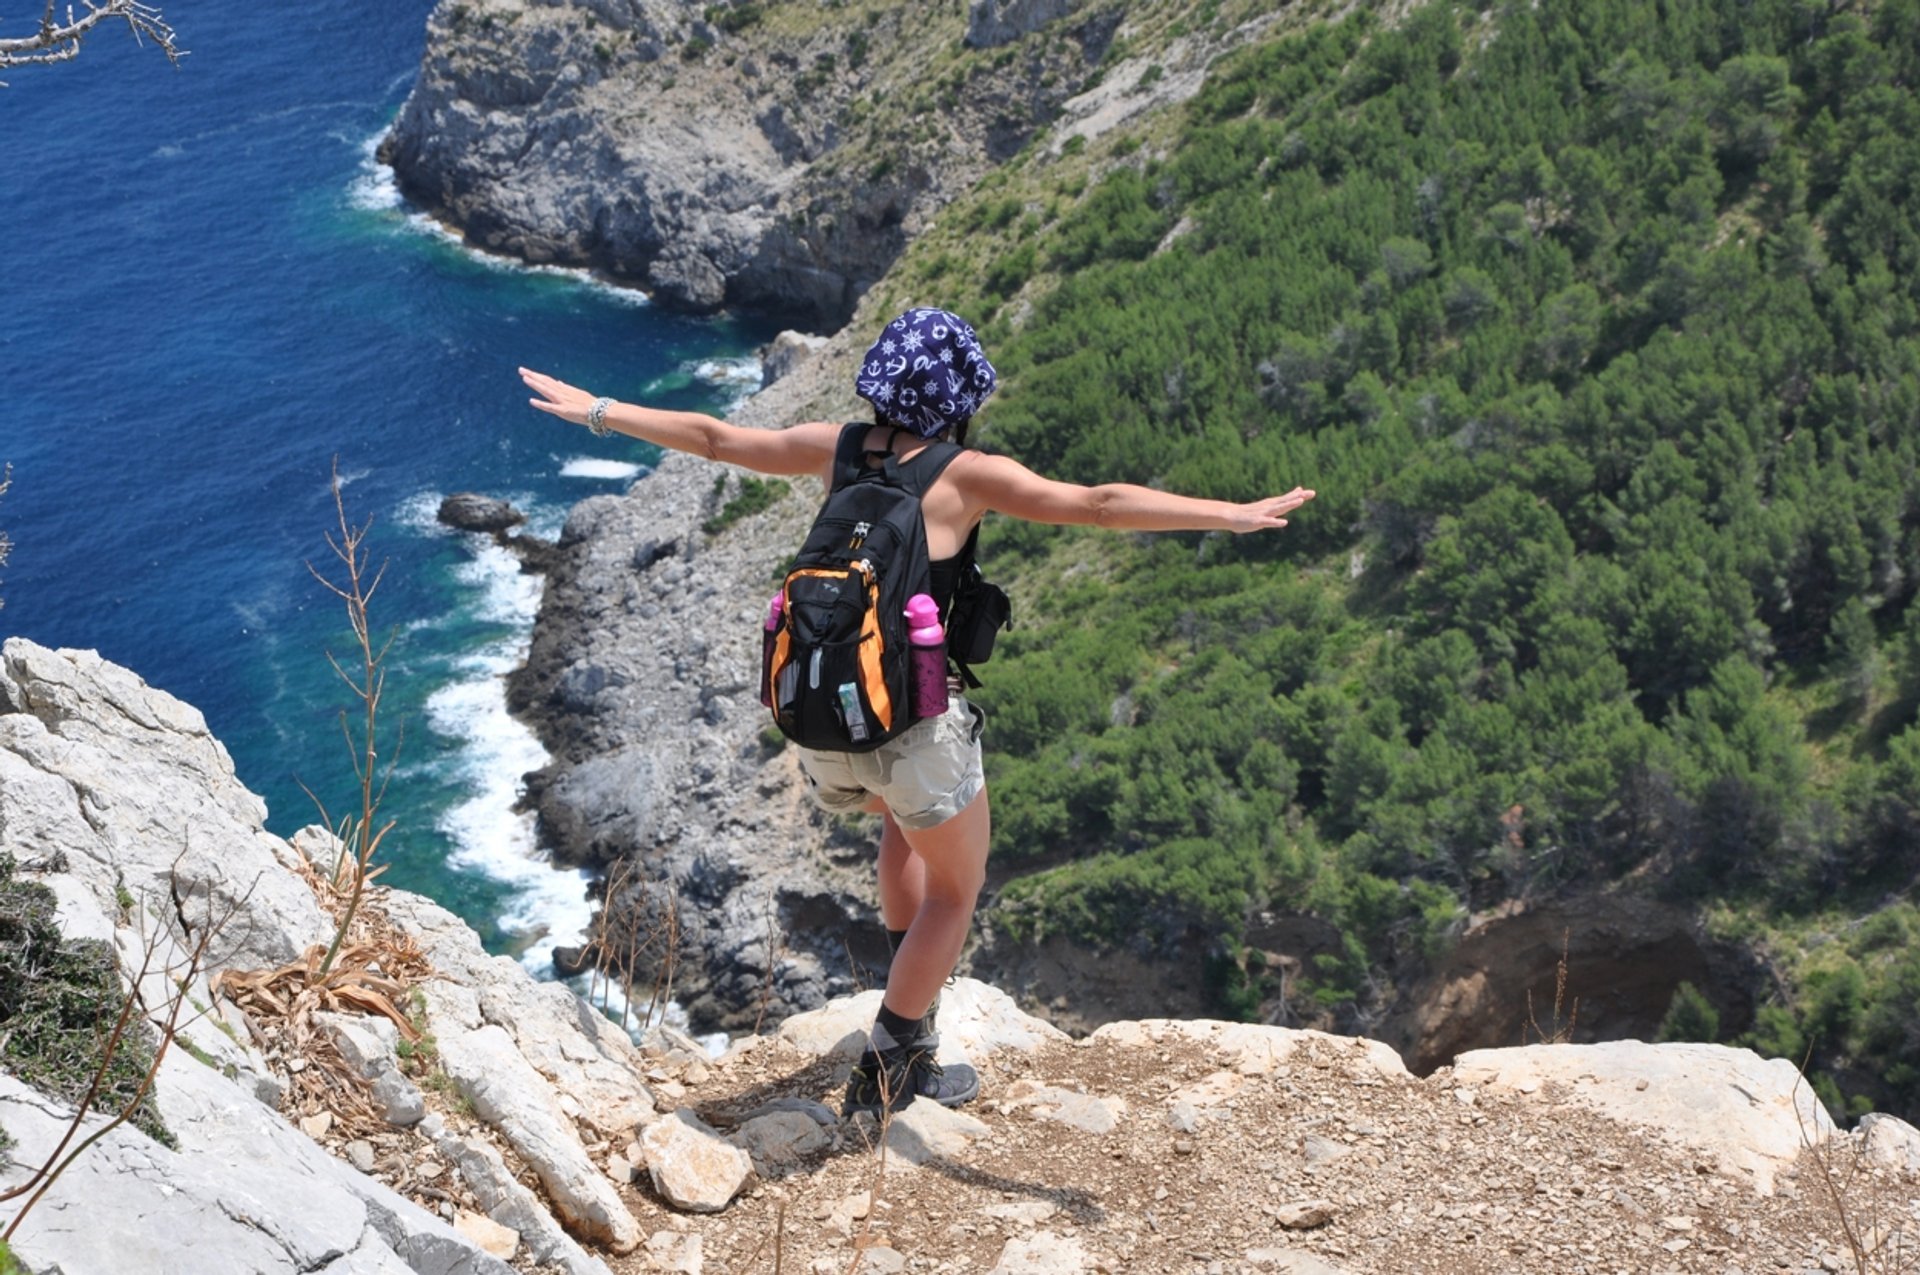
[58, 35]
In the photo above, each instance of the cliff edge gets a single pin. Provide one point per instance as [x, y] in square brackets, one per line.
[493, 1123]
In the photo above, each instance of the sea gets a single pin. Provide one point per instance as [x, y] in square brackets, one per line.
[212, 300]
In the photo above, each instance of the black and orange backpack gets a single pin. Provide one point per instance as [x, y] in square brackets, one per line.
[838, 671]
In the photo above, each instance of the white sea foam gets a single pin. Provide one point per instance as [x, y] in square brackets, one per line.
[550, 906]
[508, 595]
[373, 186]
[494, 751]
[420, 512]
[599, 467]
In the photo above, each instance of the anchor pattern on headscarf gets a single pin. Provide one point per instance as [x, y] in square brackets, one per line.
[927, 372]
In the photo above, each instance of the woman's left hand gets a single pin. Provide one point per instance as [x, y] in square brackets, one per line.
[557, 398]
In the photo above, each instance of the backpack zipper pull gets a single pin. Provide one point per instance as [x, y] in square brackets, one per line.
[860, 530]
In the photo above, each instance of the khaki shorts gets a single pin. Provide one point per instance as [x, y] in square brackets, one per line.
[926, 777]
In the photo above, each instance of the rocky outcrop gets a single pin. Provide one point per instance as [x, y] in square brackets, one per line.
[116, 799]
[778, 157]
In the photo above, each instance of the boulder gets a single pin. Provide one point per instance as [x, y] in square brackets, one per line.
[1890, 1142]
[786, 352]
[469, 511]
[1748, 1116]
[513, 1206]
[127, 783]
[691, 1166]
[1253, 1049]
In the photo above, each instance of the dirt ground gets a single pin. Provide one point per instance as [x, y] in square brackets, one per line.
[1207, 1170]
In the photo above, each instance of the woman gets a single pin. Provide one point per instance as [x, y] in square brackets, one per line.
[925, 376]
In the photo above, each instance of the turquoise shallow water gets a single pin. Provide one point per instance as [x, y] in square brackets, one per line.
[211, 294]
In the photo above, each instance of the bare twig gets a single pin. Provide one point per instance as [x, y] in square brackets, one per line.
[57, 36]
[42, 1179]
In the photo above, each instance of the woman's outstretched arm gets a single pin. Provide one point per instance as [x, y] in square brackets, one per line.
[1006, 486]
[803, 449]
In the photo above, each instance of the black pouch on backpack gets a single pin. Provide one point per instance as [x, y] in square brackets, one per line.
[980, 610]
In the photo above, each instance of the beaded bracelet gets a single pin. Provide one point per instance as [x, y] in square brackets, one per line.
[597, 417]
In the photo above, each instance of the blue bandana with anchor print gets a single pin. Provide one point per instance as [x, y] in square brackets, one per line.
[927, 372]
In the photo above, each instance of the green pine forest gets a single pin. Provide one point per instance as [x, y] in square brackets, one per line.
[1597, 327]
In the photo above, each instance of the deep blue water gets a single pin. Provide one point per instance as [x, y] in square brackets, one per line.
[210, 293]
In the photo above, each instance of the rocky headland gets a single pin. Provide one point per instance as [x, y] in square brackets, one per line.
[494, 1123]
[777, 157]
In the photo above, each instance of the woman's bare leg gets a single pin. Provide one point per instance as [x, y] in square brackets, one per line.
[953, 864]
[903, 878]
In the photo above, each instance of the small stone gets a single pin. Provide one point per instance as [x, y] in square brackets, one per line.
[1677, 1246]
[316, 1126]
[428, 1170]
[675, 1251]
[1677, 1223]
[1183, 1146]
[1184, 1117]
[360, 1155]
[1042, 1253]
[883, 1260]
[1304, 1215]
[500, 1241]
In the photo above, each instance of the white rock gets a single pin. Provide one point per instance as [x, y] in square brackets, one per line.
[510, 1095]
[1042, 1253]
[675, 1251]
[1304, 1215]
[1749, 1116]
[691, 1166]
[579, 1052]
[509, 1203]
[501, 1241]
[924, 1131]
[1890, 1142]
[369, 1044]
[1084, 1112]
[1254, 1049]
[975, 1021]
[129, 783]
[244, 1192]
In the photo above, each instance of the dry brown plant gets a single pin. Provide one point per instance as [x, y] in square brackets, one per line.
[623, 942]
[775, 946]
[1561, 1033]
[1876, 1246]
[357, 831]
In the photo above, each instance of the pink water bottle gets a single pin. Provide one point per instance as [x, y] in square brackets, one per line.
[775, 610]
[929, 642]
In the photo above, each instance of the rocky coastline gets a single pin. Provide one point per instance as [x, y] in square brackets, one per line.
[773, 157]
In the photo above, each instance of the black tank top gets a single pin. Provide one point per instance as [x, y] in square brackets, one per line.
[946, 572]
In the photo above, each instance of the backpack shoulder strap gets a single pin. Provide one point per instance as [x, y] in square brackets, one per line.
[849, 458]
[925, 469]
